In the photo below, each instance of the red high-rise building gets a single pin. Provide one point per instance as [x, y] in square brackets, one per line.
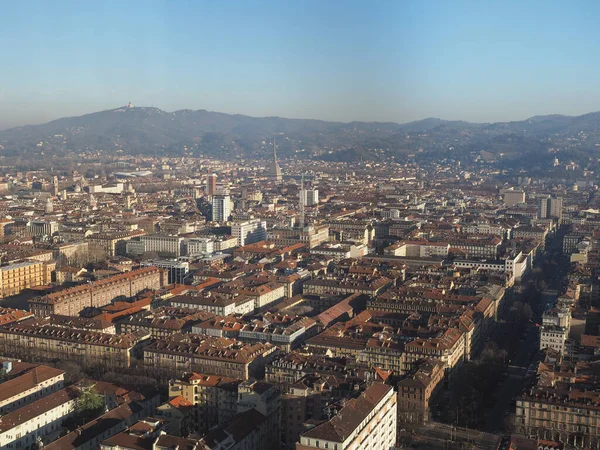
[211, 185]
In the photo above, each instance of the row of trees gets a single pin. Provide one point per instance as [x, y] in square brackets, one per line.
[473, 386]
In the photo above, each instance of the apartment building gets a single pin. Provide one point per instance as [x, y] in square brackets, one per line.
[163, 321]
[288, 368]
[218, 304]
[247, 430]
[355, 230]
[418, 249]
[311, 235]
[27, 383]
[572, 416]
[110, 188]
[286, 332]
[72, 301]
[368, 421]
[264, 293]
[371, 286]
[40, 340]
[16, 277]
[371, 343]
[513, 197]
[340, 250]
[264, 398]
[311, 399]
[5, 228]
[218, 356]
[485, 247]
[416, 390]
[553, 337]
[199, 246]
[292, 283]
[113, 244]
[449, 348]
[214, 398]
[90, 435]
[28, 426]
[221, 207]
[485, 228]
[537, 234]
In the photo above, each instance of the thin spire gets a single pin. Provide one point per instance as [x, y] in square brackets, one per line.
[302, 200]
[274, 148]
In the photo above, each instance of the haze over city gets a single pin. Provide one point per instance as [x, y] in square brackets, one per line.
[299, 225]
[337, 60]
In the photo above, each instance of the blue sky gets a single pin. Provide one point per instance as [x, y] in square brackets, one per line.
[342, 60]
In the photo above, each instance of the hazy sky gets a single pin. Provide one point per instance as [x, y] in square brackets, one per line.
[338, 60]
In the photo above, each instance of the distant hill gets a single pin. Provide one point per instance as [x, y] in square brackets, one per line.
[147, 130]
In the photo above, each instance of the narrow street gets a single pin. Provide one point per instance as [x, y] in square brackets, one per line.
[529, 345]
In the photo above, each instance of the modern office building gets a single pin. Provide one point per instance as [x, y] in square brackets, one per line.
[513, 197]
[250, 231]
[221, 207]
[312, 197]
[176, 270]
[170, 246]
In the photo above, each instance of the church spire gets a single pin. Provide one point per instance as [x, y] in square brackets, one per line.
[274, 171]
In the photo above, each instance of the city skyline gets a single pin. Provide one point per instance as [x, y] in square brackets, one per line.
[385, 61]
[298, 225]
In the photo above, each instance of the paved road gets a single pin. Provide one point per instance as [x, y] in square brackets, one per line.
[513, 385]
[441, 435]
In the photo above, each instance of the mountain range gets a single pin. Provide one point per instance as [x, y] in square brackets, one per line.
[147, 130]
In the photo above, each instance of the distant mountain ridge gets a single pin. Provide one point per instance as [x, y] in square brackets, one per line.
[150, 130]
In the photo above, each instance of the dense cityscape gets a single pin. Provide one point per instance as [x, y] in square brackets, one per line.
[155, 302]
[299, 225]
